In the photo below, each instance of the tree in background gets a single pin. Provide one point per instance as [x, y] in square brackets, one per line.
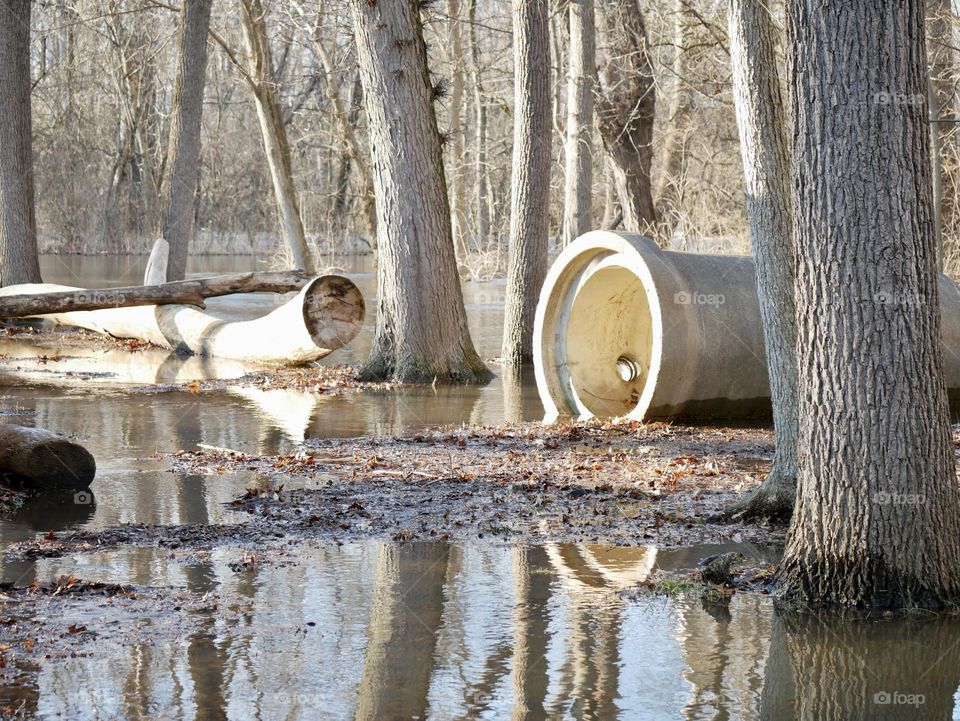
[578, 175]
[18, 220]
[530, 182]
[421, 332]
[761, 118]
[179, 189]
[626, 108]
[261, 77]
[877, 518]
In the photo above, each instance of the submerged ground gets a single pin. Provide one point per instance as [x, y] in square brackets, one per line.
[294, 546]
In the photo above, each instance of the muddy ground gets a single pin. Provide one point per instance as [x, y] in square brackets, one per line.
[588, 482]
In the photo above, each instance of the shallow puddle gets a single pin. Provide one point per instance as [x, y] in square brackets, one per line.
[419, 630]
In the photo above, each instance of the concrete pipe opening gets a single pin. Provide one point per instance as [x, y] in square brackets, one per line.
[624, 329]
[608, 341]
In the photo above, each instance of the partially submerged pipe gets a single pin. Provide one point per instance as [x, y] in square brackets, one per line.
[625, 329]
[325, 315]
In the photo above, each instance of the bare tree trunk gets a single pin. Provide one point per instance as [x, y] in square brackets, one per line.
[183, 163]
[877, 519]
[458, 188]
[943, 110]
[578, 178]
[762, 121]
[422, 331]
[670, 178]
[482, 190]
[274, 132]
[18, 218]
[625, 108]
[530, 183]
[353, 156]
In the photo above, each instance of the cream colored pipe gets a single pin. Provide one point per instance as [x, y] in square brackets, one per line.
[624, 329]
[325, 315]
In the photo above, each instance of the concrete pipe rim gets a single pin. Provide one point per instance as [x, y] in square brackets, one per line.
[618, 255]
[333, 311]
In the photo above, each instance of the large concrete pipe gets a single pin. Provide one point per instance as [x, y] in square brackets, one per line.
[624, 329]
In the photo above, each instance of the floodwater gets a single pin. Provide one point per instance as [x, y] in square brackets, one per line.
[377, 630]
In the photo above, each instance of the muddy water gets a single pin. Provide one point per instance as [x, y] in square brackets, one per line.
[376, 630]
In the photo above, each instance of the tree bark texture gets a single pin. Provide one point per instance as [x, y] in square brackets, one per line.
[183, 163]
[761, 119]
[625, 108]
[877, 519]
[421, 331]
[18, 218]
[530, 181]
[578, 176]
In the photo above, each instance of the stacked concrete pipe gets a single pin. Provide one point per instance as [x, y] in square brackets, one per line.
[625, 329]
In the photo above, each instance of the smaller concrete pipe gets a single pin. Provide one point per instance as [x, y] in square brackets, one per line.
[624, 329]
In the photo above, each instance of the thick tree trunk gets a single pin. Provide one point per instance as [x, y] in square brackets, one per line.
[190, 292]
[422, 331]
[45, 459]
[766, 167]
[18, 218]
[183, 162]
[274, 133]
[530, 182]
[625, 108]
[877, 519]
[578, 177]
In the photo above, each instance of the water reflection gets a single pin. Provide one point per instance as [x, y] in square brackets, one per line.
[381, 631]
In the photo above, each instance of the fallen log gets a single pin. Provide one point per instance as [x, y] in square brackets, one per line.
[325, 315]
[20, 301]
[45, 459]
